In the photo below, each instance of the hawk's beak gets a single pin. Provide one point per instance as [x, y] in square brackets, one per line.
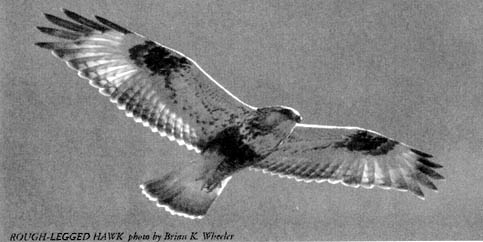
[298, 119]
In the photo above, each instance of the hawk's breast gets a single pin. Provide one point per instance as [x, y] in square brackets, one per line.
[230, 143]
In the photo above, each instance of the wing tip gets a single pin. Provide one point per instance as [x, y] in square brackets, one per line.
[429, 163]
[424, 158]
[44, 45]
[112, 25]
[420, 153]
[438, 176]
[49, 16]
[85, 24]
[43, 29]
[66, 11]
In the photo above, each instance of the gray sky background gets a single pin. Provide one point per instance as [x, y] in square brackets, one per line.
[411, 70]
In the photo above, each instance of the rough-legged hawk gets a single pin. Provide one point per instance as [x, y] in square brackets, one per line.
[168, 92]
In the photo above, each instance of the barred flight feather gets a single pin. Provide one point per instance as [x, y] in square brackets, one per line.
[332, 157]
[97, 51]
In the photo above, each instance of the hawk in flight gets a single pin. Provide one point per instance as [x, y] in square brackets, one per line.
[168, 92]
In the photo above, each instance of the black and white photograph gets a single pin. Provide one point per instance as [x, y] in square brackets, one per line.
[263, 120]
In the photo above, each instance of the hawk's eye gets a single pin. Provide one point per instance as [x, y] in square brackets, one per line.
[287, 112]
[291, 115]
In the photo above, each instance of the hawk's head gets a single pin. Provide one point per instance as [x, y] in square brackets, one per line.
[276, 115]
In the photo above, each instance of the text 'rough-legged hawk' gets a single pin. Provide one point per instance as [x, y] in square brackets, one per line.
[168, 92]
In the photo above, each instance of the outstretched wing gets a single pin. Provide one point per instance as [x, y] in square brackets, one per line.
[353, 156]
[154, 84]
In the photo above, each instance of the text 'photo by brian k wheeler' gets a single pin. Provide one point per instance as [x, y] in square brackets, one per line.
[241, 121]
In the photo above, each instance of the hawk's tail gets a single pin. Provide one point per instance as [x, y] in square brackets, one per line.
[182, 192]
